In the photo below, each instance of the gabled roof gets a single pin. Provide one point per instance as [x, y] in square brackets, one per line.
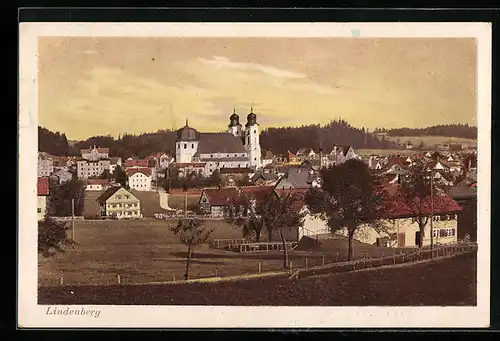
[220, 143]
[396, 207]
[136, 163]
[298, 179]
[268, 155]
[220, 197]
[98, 182]
[264, 176]
[100, 150]
[109, 192]
[132, 171]
[297, 195]
[257, 192]
[42, 186]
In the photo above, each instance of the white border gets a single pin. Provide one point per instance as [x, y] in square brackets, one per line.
[30, 315]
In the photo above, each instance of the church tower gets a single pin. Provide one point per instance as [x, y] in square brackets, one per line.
[252, 143]
[234, 126]
[186, 144]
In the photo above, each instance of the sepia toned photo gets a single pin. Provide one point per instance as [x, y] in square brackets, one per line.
[238, 177]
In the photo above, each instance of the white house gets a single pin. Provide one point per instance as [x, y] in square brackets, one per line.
[95, 153]
[87, 168]
[214, 200]
[42, 194]
[139, 179]
[97, 184]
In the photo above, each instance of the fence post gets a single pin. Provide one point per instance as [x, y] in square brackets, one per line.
[173, 277]
[260, 267]
[215, 272]
[291, 267]
[62, 277]
[394, 256]
[118, 279]
[323, 261]
[337, 259]
[306, 262]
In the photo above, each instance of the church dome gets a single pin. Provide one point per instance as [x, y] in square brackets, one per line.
[234, 117]
[251, 119]
[187, 133]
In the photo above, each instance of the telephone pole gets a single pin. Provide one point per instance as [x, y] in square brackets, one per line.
[73, 219]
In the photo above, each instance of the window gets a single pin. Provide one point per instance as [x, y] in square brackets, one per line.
[435, 233]
[255, 131]
[39, 210]
[185, 145]
[192, 145]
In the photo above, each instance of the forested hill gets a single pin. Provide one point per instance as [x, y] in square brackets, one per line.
[449, 130]
[277, 140]
[337, 132]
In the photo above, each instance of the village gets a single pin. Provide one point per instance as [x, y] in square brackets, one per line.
[213, 169]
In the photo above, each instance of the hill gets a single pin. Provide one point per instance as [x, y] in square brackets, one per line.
[449, 130]
[430, 141]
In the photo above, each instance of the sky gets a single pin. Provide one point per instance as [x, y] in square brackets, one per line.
[106, 85]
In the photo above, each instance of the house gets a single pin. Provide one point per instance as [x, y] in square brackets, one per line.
[299, 179]
[288, 159]
[232, 175]
[264, 179]
[42, 189]
[409, 145]
[45, 165]
[91, 168]
[131, 163]
[199, 168]
[117, 202]
[341, 154]
[399, 225]
[374, 163]
[267, 158]
[113, 162]
[97, 184]
[466, 196]
[214, 200]
[62, 176]
[311, 225]
[95, 153]
[139, 179]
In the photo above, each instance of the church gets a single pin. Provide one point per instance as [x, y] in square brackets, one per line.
[238, 147]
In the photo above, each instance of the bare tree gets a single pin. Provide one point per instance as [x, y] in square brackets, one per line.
[191, 232]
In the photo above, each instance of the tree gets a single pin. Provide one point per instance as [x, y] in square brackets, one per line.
[120, 176]
[421, 145]
[285, 212]
[191, 232]
[52, 236]
[244, 181]
[106, 174]
[416, 194]
[348, 199]
[61, 197]
[251, 214]
[216, 178]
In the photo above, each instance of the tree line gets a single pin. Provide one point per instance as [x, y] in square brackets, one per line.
[449, 130]
[337, 132]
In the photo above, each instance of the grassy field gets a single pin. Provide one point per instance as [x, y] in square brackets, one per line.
[144, 251]
[150, 202]
[431, 141]
[447, 282]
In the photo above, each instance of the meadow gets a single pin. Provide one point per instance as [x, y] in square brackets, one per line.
[145, 251]
[150, 202]
[445, 282]
[430, 141]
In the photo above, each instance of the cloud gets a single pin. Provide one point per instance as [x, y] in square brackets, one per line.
[223, 62]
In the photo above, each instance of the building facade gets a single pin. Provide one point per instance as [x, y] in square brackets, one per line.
[236, 148]
[139, 179]
[45, 166]
[42, 195]
[86, 168]
[120, 203]
[95, 153]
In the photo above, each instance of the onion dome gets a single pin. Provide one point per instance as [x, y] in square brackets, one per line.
[251, 118]
[234, 119]
[187, 133]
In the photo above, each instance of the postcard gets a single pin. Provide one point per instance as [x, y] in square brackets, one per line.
[254, 175]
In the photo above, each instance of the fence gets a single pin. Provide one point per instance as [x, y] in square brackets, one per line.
[300, 265]
[69, 218]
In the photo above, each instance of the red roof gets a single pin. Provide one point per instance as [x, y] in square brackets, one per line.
[132, 171]
[297, 195]
[136, 163]
[42, 186]
[234, 170]
[257, 192]
[396, 207]
[221, 197]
